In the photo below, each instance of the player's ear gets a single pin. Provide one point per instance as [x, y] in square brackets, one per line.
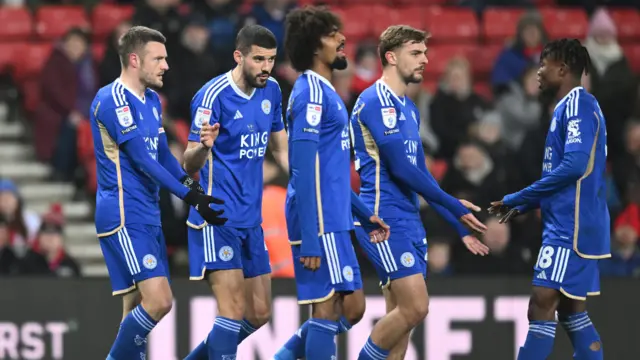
[391, 58]
[237, 56]
[134, 60]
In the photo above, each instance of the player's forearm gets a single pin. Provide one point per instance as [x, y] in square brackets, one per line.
[167, 160]
[195, 158]
[572, 167]
[280, 149]
[136, 150]
[304, 172]
[395, 159]
[360, 210]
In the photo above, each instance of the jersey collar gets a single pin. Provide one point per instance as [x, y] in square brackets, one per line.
[577, 88]
[237, 89]
[142, 99]
[402, 101]
[320, 77]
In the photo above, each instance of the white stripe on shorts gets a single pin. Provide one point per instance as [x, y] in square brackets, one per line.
[329, 242]
[386, 256]
[209, 244]
[127, 250]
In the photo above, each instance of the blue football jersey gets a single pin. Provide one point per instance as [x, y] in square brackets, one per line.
[317, 113]
[577, 216]
[233, 172]
[126, 195]
[379, 116]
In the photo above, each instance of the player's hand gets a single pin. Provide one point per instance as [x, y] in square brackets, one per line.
[382, 233]
[469, 205]
[191, 184]
[509, 215]
[475, 246]
[201, 203]
[498, 208]
[208, 134]
[311, 262]
[473, 224]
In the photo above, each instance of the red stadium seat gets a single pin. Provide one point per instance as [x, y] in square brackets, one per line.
[16, 24]
[439, 56]
[421, 2]
[452, 24]
[430, 86]
[565, 22]
[499, 24]
[31, 90]
[632, 52]
[483, 58]
[384, 17]
[53, 21]
[9, 54]
[97, 50]
[105, 18]
[356, 26]
[628, 23]
[32, 58]
[484, 90]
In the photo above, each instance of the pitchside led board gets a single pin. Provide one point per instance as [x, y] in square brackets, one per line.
[469, 319]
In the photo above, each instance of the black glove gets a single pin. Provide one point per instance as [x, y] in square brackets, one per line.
[201, 203]
[191, 184]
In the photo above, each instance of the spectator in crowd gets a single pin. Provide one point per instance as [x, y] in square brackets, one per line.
[110, 67]
[455, 107]
[342, 81]
[67, 83]
[532, 148]
[286, 76]
[611, 79]
[439, 258]
[8, 258]
[366, 67]
[625, 254]
[164, 16]
[50, 243]
[222, 18]
[520, 108]
[196, 65]
[23, 224]
[271, 14]
[472, 176]
[505, 256]
[522, 53]
[422, 98]
[626, 168]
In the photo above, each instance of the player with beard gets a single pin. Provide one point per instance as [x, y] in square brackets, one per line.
[572, 197]
[235, 116]
[319, 197]
[133, 160]
[390, 160]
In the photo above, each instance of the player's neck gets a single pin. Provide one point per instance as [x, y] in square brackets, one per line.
[566, 88]
[394, 82]
[322, 69]
[132, 83]
[241, 82]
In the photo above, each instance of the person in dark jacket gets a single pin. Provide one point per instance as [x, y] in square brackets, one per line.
[50, 243]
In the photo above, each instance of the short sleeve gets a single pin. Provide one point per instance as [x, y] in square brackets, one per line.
[201, 112]
[582, 128]
[119, 122]
[381, 121]
[306, 117]
[277, 124]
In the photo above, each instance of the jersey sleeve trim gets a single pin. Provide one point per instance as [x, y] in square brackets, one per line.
[315, 90]
[117, 93]
[213, 91]
[383, 95]
[112, 152]
[373, 151]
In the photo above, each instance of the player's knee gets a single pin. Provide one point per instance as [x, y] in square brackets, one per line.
[354, 312]
[261, 315]
[416, 312]
[159, 307]
[541, 307]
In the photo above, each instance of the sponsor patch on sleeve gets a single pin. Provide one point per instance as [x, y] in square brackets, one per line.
[202, 115]
[124, 116]
[389, 117]
[314, 113]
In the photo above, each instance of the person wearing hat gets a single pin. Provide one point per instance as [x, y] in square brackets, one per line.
[50, 244]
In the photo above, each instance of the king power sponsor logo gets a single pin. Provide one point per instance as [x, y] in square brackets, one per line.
[448, 329]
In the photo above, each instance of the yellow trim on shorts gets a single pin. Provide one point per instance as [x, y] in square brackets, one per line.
[125, 291]
[319, 300]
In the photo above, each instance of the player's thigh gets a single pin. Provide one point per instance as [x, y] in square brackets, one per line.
[353, 306]
[255, 256]
[335, 274]
[560, 268]
[389, 299]
[411, 296]
[258, 299]
[213, 248]
[134, 254]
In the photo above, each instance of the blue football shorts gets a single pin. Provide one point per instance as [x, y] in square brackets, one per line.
[339, 271]
[402, 255]
[134, 253]
[559, 267]
[226, 248]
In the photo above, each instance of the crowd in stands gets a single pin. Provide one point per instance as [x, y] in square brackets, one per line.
[483, 130]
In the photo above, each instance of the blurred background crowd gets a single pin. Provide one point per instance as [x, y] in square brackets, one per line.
[482, 124]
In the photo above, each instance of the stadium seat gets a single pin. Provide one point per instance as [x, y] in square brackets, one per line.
[439, 56]
[9, 54]
[384, 17]
[483, 59]
[628, 22]
[32, 58]
[499, 24]
[53, 21]
[16, 24]
[105, 18]
[484, 90]
[451, 25]
[356, 25]
[97, 50]
[430, 85]
[565, 22]
[31, 90]
[632, 52]
[421, 2]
